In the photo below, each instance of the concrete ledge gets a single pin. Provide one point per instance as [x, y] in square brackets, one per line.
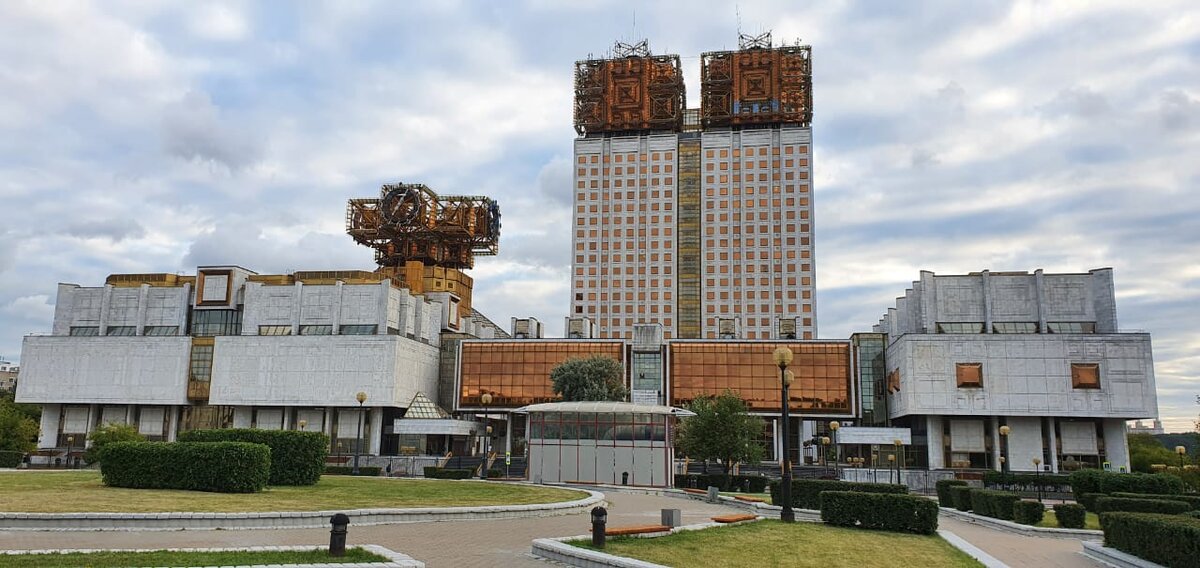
[395, 559]
[971, 550]
[557, 549]
[274, 520]
[1026, 530]
[759, 508]
[1114, 557]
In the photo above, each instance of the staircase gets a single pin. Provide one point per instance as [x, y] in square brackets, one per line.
[464, 462]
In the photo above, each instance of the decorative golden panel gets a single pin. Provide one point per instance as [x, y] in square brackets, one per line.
[822, 374]
[1085, 375]
[517, 373]
[969, 375]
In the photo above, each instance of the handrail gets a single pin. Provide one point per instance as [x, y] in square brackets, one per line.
[445, 459]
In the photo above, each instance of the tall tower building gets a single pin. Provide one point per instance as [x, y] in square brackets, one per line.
[698, 220]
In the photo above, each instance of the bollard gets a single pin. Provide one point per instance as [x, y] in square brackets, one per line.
[713, 495]
[337, 535]
[624, 478]
[672, 517]
[599, 522]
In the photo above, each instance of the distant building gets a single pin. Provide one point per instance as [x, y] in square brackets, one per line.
[8, 375]
[1153, 427]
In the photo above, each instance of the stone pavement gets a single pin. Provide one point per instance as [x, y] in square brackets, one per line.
[465, 544]
[1019, 551]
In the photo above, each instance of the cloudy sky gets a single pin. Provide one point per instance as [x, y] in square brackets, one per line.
[950, 136]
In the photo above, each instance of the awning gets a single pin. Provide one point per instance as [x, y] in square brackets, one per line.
[602, 407]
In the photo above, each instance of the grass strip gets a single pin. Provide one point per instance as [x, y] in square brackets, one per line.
[773, 543]
[1091, 521]
[115, 559]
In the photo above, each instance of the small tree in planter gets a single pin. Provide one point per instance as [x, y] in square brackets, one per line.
[722, 429]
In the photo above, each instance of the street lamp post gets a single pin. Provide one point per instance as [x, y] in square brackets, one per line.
[899, 461]
[891, 460]
[1004, 430]
[361, 397]
[783, 358]
[1182, 451]
[485, 399]
[67, 457]
[1037, 473]
[303, 424]
[824, 453]
[837, 449]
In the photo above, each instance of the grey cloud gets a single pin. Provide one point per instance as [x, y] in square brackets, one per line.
[922, 157]
[242, 243]
[1080, 102]
[1176, 110]
[193, 129]
[8, 251]
[115, 230]
[554, 181]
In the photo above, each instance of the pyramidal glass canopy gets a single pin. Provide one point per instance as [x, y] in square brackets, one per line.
[422, 407]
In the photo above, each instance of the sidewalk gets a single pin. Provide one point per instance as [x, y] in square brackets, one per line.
[1020, 551]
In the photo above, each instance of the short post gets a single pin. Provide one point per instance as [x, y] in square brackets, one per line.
[599, 522]
[672, 517]
[713, 495]
[1037, 472]
[337, 535]
[624, 478]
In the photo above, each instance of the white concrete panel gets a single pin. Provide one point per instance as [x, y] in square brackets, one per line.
[966, 436]
[133, 370]
[321, 370]
[150, 422]
[1116, 447]
[1078, 438]
[1024, 442]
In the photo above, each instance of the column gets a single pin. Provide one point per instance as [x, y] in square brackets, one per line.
[48, 437]
[508, 427]
[93, 417]
[1053, 437]
[1116, 450]
[995, 424]
[337, 308]
[172, 422]
[375, 432]
[935, 444]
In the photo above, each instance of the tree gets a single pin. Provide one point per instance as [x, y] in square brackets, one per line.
[1145, 451]
[722, 429]
[107, 434]
[18, 435]
[594, 378]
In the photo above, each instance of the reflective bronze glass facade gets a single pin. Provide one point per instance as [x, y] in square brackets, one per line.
[822, 384]
[517, 373]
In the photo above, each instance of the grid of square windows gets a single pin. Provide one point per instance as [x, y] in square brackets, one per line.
[518, 373]
[821, 385]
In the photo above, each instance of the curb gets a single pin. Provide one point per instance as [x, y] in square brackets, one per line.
[557, 550]
[395, 559]
[802, 515]
[971, 550]
[1025, 530]
[1113, 557]
[281, 520]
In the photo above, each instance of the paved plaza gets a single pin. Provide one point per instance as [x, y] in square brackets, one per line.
[506, 542]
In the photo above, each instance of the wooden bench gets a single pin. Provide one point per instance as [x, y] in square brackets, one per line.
[639, 529]
[749, 499]
[734, 518]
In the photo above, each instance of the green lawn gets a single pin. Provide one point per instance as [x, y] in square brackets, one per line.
[766, 497]
[82, 491]
[1090, 521]
[772, 543]
[167, 558]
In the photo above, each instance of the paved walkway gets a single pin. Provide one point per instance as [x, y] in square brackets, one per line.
[452, 544]
[1019, 551]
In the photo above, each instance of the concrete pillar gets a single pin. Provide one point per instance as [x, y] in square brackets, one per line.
[93, 418]
[508, 428]
[1024, 442]
[375, 432]
[287, 418]
[330, 416]
[48, 437]
[934, 447]
[1053, 439]
[1116, 448]
[105, 300]
[995, 425]
[385, 287]
[172, 422]
[986, 278]
[130, 412]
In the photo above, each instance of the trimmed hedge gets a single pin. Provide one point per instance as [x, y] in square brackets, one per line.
[447, 473]
[1170, 540]
[1110, 504]
[757, 483]
[1070, 515]
[1048, 481]
[1193, 500]
[879, 511]
[960, 497]
[222, 467]
[11, 459]
[943, 491]
[1086, 481]
[806, 493]
[1028, 512]
[1192, 514]
[1149, 483]
[995, 504]
[1088, 500]
[363, 471]
[297, 458]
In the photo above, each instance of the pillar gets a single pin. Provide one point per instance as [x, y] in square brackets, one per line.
[1053, 438]
[935, 442]
[995, 424]
[374, 433]
[508, 428]
[1116, 450]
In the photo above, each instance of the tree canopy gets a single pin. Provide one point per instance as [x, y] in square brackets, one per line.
[722, 429]
[596, 378]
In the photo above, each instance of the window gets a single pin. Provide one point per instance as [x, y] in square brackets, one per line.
[121, 330]
[960, 327]
[208, 323]
[161, 330]
[201, 363]
[85, 331]
[1015, 327]
[274, 330]
[1071, 327]
[316, 330]
[1085, 375]
[969, 375]
[358, 329]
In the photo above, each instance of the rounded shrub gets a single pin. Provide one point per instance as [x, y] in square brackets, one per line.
[1110, 504]
[943, 490]
[297, 458]
[960, 497]
[880, 511]
[995, 504]
[10, 458]
[1070, 515]
[1028, 512]
[222, 467]
[107, 434]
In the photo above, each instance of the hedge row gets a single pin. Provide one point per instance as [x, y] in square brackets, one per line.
[943, 491]
[1047, 481]
[745, 483]
[1070, 515]
[447, 473]
[1099, 481]
[995, 504]
[1110, 504]
[297, 458]
[1193, 500]
[363, 471]
[960, 497]
[223, 467]
[806, 493]
[1170, 540]
[1028, 512]
[879, 511]
[11, 459]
